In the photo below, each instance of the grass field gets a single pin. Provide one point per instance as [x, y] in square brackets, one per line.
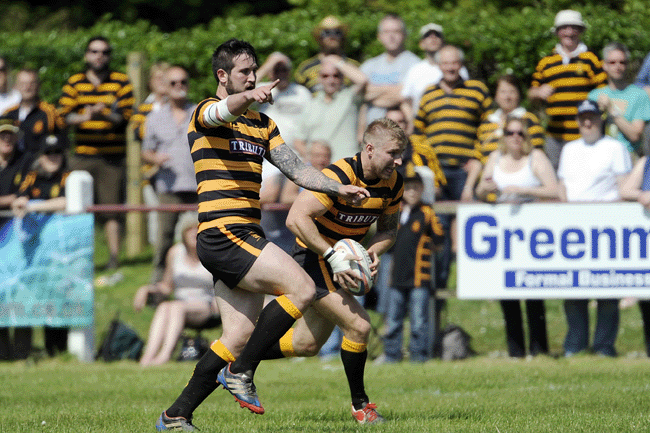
[476, 395]
[487, 393]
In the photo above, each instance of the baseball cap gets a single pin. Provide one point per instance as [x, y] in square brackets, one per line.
[52, 143]
[431, 27]
[8, 125]
[588, 106]
[568, 17]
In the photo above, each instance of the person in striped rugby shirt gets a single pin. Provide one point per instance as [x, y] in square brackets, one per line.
[563, 79]
[228, 143]
[98, 104]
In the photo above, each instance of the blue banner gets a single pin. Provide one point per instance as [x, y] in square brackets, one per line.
[46, 270]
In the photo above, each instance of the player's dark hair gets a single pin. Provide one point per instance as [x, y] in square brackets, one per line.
[98, 38]
[223, 57]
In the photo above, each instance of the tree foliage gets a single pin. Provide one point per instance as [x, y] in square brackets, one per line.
[496, 40]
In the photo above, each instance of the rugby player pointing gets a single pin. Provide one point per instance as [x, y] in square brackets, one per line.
[228, 143]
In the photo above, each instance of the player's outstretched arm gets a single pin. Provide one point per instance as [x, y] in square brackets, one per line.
[309, 178]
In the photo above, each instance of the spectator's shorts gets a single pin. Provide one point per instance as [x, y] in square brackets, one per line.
[108, 179]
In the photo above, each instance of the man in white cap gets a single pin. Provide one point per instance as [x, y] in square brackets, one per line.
[580, 71]
[426, 72]
[592, 168]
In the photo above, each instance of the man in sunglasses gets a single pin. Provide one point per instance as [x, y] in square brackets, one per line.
[165, 146]
[98, 104]
[330, 34]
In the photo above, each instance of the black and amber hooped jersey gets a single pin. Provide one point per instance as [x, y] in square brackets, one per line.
[413, 248]
[36, 186]
[138, 119]
[42, 120]
[307, 73]
[448, 121]
[228, 165]
[344, 220]
[99, 137]
[571, 82]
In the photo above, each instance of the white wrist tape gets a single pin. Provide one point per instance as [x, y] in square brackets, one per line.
[337, 260]
[218, 114]
[224, 113]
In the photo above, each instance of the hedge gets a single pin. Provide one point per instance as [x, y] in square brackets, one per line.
[495, 41]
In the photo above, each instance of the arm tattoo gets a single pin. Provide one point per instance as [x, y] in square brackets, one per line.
[387, 224]
[302, 174]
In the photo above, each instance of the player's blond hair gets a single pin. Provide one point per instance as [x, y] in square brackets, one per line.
[384, 130]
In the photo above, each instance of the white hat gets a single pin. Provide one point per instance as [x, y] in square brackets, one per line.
[431, 27]
[568, 17]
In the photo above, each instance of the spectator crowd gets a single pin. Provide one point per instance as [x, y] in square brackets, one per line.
[575, 133]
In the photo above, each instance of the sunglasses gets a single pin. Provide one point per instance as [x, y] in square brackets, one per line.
[510, 133]
[104, 52]
[53, 152]
[331, 33]
[175, 82]
[331, 76]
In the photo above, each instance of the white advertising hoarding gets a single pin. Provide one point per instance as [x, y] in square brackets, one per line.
[553, 250]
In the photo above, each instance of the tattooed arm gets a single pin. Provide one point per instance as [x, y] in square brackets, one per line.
[383, 239]
[309, 178]
[386, 233]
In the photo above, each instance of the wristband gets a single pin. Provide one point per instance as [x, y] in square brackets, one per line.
[328, 253]
[337, 260]
[224, 113]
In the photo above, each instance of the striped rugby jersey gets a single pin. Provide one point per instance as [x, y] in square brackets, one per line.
[448, 122]
[307, 73]
[139, 118]
[41, 121]
[99, 137]
[413, 248]
[344, 220]
[228, 165]
[490, 132]
[572, 83]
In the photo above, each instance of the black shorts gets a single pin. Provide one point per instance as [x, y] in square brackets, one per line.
[317, 268]
[229, 252]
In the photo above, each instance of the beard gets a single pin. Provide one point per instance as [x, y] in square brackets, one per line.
[232, 90]
[98, 70]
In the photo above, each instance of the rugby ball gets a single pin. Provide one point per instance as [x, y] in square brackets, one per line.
[362, 267]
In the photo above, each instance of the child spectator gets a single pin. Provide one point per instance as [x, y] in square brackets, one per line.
[418, 234]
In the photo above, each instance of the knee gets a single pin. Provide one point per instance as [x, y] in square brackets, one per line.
[305, 293]
[359, 331]
[309, 349]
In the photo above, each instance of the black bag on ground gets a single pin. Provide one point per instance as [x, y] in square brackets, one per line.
[121, 342]
[455, 343]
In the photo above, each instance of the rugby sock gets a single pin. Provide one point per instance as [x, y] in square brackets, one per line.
[202, 382]
[354, 357]
[283, 348]
[274, 321]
